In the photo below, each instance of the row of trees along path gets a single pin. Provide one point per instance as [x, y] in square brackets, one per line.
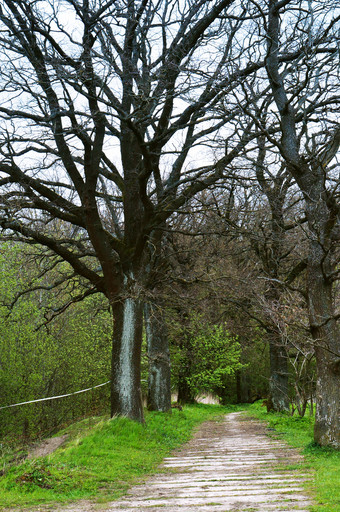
[115, 115]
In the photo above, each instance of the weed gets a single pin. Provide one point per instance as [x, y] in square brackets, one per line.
[37, 475]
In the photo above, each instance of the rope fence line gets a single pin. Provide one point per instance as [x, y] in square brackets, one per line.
[55, 397]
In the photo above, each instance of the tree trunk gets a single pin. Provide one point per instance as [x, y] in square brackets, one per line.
[126, 396]
[326, 336]
[242, 388]
[278, 382]
[272, 262]
[327, 418]
[159, 385]
[185, 395]
[238, 387]
[322, 214]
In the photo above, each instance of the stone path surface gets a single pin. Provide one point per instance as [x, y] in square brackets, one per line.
[231, 465]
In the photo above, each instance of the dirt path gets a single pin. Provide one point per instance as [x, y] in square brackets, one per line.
[228, 466]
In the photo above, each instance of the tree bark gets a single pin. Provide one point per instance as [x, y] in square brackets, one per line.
[185, 395]
[326, 335]
[322, 213]
[243, 395]
[159, 384]
[271, 256]
[278, 382]
[126, 396]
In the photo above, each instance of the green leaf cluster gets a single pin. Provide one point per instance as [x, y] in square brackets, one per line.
[206, 355]
[216, 355]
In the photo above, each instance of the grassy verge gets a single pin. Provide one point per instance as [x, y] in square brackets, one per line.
[102, 458]
[324, 463]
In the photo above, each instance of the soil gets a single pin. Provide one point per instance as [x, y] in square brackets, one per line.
[232, 465]
[46, 447]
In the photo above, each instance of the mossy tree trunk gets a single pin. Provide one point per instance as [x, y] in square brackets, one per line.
[126, 397]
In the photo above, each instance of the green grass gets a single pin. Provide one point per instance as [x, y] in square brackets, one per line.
[324, 463]
[102, 458]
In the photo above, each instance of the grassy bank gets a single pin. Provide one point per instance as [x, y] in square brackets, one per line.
[102, 458]
[324, 463]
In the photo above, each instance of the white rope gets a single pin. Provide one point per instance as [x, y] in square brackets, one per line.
[55, 397]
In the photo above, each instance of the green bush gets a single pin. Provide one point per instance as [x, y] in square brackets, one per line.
[68, 354]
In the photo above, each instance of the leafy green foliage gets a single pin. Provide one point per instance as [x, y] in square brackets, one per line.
[216, 355]
[205, 355]
[255, 356]
[70, 353]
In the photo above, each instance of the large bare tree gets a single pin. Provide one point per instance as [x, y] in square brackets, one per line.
[108, 123]
[307, 103]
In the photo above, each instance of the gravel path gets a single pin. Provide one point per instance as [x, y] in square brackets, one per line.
[231, 465]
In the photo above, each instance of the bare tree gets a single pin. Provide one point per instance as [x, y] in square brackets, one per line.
[257, 222]
[104, 109]
[273, 250]
[309, 145]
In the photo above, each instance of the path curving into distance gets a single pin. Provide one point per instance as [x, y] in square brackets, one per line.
[230, 465]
